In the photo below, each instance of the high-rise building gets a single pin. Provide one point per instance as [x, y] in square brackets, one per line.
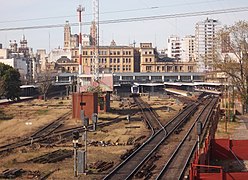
[205, 34]
[188, 48]
[174, 47]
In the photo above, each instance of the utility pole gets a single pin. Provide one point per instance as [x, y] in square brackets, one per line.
[225, 103]
[80, 9]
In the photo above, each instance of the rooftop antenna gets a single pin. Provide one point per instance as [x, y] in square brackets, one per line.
[134, 43]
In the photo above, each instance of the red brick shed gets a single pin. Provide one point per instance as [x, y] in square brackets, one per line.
[87, 101]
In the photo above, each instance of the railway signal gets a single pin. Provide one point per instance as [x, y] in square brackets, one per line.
[199, 132]
[75, 136]
[128, 118]
[94, 120]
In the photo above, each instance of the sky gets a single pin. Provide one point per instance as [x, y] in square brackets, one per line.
[31, 13]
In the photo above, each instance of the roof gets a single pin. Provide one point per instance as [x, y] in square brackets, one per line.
[64, 59]
[28, 86]
[148, 84]
[192, 84]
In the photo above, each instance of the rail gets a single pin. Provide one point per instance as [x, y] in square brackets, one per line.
[178, 161]
[129, 166]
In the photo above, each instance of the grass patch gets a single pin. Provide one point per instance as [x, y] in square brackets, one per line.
[42, 111]
[223, 126]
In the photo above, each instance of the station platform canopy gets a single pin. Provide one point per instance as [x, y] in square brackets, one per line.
[28, 86]
[148, 84]
[193, 84]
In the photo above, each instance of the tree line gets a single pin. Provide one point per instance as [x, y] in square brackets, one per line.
[235, 39]
[9, 82]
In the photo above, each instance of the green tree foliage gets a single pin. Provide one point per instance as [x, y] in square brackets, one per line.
[9, 82]
[1, 86]
[235, 66]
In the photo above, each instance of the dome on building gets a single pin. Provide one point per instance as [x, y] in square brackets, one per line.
[64, 59]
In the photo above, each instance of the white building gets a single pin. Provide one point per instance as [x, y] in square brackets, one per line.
[42, 58]
[20, 58]
[188, 48]
[17, 61]
[85, 40]
[56, 54]
[174, 47]
[205, 32]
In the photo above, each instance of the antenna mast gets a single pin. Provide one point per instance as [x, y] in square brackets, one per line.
[80, 9]
[96, 39]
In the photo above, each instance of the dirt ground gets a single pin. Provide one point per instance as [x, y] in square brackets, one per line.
[113, 138]
[28, 117]
[232, 130]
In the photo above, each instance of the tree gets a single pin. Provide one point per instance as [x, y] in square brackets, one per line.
[2, 89]
[10, 82]
[235, 39]
[45, 82]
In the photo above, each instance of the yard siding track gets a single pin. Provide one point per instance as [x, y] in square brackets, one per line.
[51, 137]
[48, 129]
[37, 136]
[149, 115]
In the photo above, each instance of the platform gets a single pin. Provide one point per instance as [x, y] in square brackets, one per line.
[177, 91]
[3, 101]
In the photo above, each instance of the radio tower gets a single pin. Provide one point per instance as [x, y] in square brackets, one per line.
[80, 10]
[96, 37]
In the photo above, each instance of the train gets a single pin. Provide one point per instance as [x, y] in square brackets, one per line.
[134, 90]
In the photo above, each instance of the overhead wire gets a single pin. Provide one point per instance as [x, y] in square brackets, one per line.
[110, 12]
[137, 19]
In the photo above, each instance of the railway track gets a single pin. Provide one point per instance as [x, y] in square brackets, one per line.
[52, 157]
[177, 163]
[129, 166]
[38, 135]
[149, 115]
[183, 99]
[48, 129]
[51, 134]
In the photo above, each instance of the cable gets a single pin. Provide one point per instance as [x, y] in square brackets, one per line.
[108, 12]
[136, 19]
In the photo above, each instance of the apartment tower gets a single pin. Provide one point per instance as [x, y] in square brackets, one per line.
[205, 33]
